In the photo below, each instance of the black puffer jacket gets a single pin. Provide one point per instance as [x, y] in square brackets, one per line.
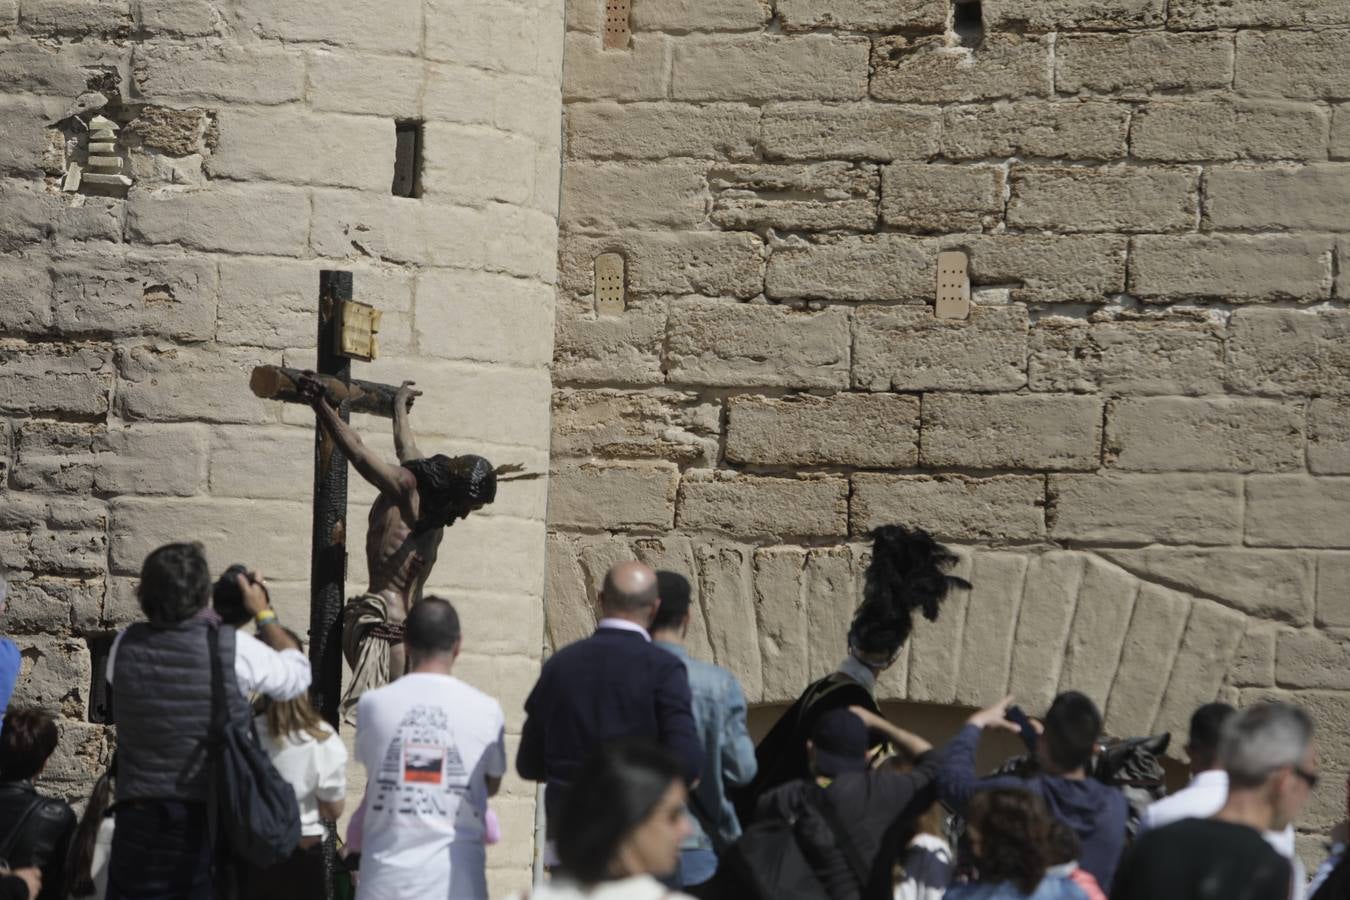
[43, 837]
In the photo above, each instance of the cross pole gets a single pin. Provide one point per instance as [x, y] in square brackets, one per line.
[328, 557]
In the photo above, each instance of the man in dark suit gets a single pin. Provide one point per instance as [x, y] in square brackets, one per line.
[614, 684]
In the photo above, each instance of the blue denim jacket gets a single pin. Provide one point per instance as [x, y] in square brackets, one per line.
[728, 752]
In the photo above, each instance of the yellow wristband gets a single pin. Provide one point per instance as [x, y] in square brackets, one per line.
[266, 617]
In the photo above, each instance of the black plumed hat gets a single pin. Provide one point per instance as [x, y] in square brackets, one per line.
[908, 572]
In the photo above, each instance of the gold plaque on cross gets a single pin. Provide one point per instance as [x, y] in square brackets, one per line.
[358, 324]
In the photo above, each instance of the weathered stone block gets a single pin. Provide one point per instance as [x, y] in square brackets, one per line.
[781, 621]
[748, 506]
[54, 675]
[342, 81]
[1298, 511]
[235, 531]
[57, 70]
[507, 102]
[933, 665]
[25, 122]
[135, 293]
[186, 18]
[987, 640]
[609, 130]
[167, 383]
[1340, 132]
[1143, 63]
[728, 602]
[504, 37]
[761, 67]
[1254, 663]
[819, 197]
[1112, 198]
[1295, 64]
[1187, 14]
[459, 316]
[939, 198]
[905, 348]
[1019, 431]
[569, 615]
[1147, 356]
[689, 262]
[1053, 269]
[926, 70]
[1169, 509]
[1198, 130]
[53, 605]
[613, 496]
[77, 17]
[1074, 129]
[59, 379]
[864, 430]
[674, 553]
[724, 343]
[590, 348]
[881, 131]
[862, 15]
[270, 145]
[1208, 648]
[34, 215]
[1328, 438]
[1333, 589]
[392, 27]
[178, 74]
[830, 585]
[863, 267]
[474, 165]
[641, 72]
[26, 286]
[1106, 597]
[1288, 351]
[237, 219]
[1268, 584]
[1042, 629]
[1146, 659]
[1055, 15]
[952, 507]
[617, 196]
[630, 424]
[1307, 198]
[1312, 659]
[679, 16]
[151, 459]
[272, 462]
[1172, 434]
[1232, 267]
[55, 456]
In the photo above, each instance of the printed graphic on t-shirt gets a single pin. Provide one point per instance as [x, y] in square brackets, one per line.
[422, 768]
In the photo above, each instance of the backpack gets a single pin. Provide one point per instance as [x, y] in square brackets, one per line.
[252, 806]
[767, 863]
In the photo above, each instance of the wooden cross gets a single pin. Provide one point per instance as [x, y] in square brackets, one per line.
[346, 331]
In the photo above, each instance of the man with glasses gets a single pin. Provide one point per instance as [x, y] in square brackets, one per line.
[1268, 754]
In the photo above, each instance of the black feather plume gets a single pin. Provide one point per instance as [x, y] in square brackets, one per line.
[908, 572]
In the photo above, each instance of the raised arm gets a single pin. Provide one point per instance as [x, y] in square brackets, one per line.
[393, 481]
[405, 445]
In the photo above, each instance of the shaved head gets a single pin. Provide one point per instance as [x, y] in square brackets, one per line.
[629, 588]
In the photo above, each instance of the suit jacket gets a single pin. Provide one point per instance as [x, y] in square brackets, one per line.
[611, 685]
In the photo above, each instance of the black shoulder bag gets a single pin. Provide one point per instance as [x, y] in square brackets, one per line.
[252, 806]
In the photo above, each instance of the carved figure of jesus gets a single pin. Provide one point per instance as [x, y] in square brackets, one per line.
[418, 498]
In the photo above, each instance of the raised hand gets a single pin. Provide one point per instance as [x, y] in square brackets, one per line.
[995, 716]
[309, 388]
[405, 395]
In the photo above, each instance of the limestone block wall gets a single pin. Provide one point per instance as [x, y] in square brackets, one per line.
[260, 137]
[1138, 437]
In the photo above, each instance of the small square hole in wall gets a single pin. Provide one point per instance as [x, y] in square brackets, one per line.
[407, 159]
[968, 22]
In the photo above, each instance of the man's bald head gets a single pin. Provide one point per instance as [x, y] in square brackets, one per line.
[629, 590]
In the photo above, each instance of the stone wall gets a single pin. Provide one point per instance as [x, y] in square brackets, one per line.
[260, 137]
[1137, 437]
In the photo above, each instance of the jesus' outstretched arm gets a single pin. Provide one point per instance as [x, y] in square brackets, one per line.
[393, 481]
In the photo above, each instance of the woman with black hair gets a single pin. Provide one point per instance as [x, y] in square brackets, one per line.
[1009, 833]
[620, 827]
[35, 831]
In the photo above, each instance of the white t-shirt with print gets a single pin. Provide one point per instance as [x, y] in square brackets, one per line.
[429, 743]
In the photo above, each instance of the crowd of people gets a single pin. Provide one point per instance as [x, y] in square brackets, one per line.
[653, 788]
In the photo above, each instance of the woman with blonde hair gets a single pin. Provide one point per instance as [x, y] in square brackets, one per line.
[310, 756]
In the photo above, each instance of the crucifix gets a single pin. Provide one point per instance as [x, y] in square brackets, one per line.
[419, 497]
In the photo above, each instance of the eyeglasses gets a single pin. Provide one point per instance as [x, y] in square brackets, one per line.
[1311, 778]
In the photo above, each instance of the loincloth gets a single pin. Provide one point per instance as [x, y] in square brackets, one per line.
[366, 636]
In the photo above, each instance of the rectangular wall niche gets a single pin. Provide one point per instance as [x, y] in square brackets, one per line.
[407, 159]
[968, 22]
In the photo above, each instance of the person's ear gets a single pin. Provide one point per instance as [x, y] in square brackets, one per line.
[454, 651]
[656, 607]
[688, 619]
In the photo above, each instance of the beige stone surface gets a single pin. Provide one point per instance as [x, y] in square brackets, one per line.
[810, 67]
[1114, 199]
[591, 349]
[1307, 659]
[1043, 623]
[952, 507]
[905, 348]
[1158, 356]
[1288, 352]
[723, 342]
[864, 430]
[1254, 663]
[609, 130]
[1297, 511]
[753, 505]
[925, 69]
[1142, 63]
[1240, 13]
[686, 262]
[1136, 508]
[1236, 267]
[992, 431]
[862, 15]
[1196, 130]
[1295, 64]
[1051, 15]
[867, 267]
[817, 197]
[1106, 598]
[1079, 268]
[1333, 589]
[1305, 198]
[935, 198]
[881, 131]
[1268, 584]
[611, 196]
[1072, 129]
[987, 640]
[728, 603]
[634, 496]
[1171, 434]
[1328, 438]
[1208, 646]
[781, 621]
[613, 424]
[1147, 657]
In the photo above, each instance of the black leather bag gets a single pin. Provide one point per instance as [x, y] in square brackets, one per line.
[253, 808]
